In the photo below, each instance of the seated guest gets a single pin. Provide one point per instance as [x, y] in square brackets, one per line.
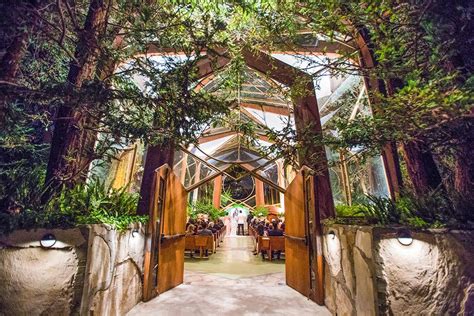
[190, 222]
[282, 227]
[272, 231]
[204, 231]
[260, 230]
[212, 227]
[190, 230]
[265, 227]
[274, 222]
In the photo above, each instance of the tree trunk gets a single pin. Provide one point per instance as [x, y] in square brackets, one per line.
[156, 156]
[376, 85]
[10, 62]
[69, 157]
[464, 170]
[421, 167]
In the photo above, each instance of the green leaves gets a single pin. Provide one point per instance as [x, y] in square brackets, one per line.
[204, 207]
[89, 203]
[435, 209]
[92, 203]
[260, 211]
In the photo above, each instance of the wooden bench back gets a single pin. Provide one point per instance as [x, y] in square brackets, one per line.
[204, 241]
[277, 243]
[263, 242]
[189, 242]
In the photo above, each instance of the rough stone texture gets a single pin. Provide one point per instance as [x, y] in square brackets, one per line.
[38, 281]
[432, 276]
[114, 269]
[92, 270]
[365, 293]
[368, 272]
[340, 277]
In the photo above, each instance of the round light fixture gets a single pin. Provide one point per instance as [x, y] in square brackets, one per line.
[332, 234]
[404, 237]
[135, 233]
[48, 241]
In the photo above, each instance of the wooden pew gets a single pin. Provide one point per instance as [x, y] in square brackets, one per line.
[204, 242]
[190, 245]
[277, 243]
[263, 245]
[268, 244]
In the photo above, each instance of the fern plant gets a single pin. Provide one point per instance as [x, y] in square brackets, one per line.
[89, 203]
[383, 209]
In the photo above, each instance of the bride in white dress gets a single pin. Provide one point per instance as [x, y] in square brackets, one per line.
[233, 223]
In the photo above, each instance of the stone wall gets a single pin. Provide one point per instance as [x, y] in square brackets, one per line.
[114, 271]
[368, 272]
[91, 270]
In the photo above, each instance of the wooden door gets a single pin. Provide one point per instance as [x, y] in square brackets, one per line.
[164, 249]
[303, 251]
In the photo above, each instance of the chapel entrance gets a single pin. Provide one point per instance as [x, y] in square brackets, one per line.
[164, 259]
[304, 258]
[164, 247]
[227, 157]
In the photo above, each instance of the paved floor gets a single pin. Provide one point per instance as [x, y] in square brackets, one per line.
[232, 282]
[234, 259]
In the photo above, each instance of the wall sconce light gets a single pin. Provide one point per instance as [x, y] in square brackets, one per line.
[404, 237]
[135, 233]
[48, 241]
[332, 234]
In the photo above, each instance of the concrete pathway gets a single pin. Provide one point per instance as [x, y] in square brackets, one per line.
[232, 282]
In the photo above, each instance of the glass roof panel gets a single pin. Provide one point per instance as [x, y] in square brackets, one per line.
[208, 148]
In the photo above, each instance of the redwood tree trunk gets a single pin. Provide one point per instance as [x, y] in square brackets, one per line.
[421, 167]
[10, 62]
[69, 154]
[156, 156]
[464, 170]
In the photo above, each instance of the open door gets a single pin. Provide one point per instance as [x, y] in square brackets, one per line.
[303, 251]
[164, 248]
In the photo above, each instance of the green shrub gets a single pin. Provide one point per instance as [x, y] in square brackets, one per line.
[87, 203]
[382, 209]
[204, 207]
[433, 210]
[343, 210]
[261, 211]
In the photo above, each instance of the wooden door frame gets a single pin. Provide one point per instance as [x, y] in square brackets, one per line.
[314, 236]
[153, 233]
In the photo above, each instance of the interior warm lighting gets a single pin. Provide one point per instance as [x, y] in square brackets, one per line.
[48, 241]
[404, 237]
